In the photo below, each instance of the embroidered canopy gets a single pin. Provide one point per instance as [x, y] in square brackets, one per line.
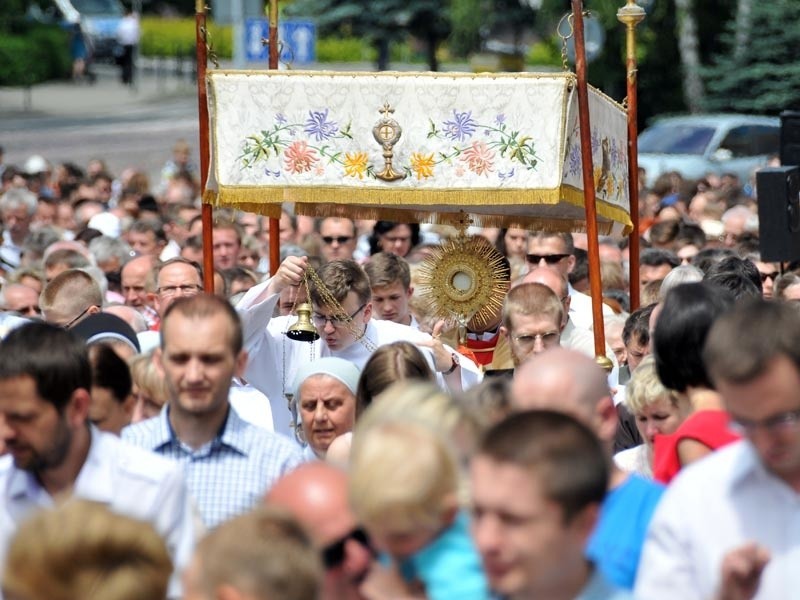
[417, 147]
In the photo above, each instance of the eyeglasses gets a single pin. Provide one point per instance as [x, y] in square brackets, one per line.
[785, 421]
[171, 290]
[76, 319]
[321, 320]
[550, 259]
[339, 239]
[527, 340]
[333, 555]
[765, 276]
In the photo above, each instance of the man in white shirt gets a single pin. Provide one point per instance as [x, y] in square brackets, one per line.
[45, 380]
[352, 334]
[557, 251]
[729, 525]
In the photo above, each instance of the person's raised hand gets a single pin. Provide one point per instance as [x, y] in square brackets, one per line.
[290, 273]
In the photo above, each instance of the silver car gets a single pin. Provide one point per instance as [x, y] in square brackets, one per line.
[700, 144]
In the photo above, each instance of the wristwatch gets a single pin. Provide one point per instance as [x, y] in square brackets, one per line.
[454, 366]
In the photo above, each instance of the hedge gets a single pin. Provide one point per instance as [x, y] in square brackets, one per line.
[176, 37]
[38, 53]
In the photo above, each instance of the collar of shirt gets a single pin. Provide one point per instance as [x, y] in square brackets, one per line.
[94, 481]
[230, 435]
[749, 469]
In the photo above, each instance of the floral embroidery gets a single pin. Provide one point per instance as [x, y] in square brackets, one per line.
[461, 127]
[479, 158]
[422, 164]
[355, 164]
[319, 126]
[299, 157]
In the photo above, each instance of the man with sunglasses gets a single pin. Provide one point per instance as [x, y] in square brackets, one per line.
[20, 299]
[316, 494]
[338, 238]
[70, 297]
[727, 527]
[557, 251]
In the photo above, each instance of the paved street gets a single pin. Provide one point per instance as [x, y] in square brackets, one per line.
[68, 122]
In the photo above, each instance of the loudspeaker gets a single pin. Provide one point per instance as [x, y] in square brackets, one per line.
[778, 190]
[790, 137]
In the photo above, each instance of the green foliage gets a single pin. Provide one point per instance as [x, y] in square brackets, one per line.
[343, 49]
[763, 76]
[33, 54]
[176, 37]
[466, 18]
[546, 53]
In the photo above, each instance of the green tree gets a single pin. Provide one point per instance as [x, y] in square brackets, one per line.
[763, 76]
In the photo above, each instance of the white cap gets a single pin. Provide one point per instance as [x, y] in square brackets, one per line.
[338, 368]
[35, 164]
[106, 223]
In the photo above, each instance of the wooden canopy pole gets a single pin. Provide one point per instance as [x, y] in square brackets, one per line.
[589, 197]
[631, 15]
[207, 213]
[274, 224]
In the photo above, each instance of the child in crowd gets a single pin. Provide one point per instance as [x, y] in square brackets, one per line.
[404, 490]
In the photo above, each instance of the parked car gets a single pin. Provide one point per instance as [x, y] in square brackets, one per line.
[700, 144]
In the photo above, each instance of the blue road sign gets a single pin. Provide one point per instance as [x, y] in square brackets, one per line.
[297, 41]
[256, 30]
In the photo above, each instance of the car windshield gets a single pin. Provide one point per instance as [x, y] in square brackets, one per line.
[672, 138]
[97, 7]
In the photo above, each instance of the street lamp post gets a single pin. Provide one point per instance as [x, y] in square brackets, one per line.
[631, 15]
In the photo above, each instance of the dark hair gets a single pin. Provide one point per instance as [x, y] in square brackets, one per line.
[741, 267]
[690, 234]
[581, 269]
[54, 358]
[564, 455]
[109, 371]
[637, 326]
[685, 320]
[704, 259]
[656, 257]
[383, 227]
[398, 361]
[739, 286]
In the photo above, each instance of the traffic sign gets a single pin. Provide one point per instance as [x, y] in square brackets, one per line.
[297, 41]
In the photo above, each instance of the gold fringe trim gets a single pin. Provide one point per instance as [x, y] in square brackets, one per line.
[425, 206]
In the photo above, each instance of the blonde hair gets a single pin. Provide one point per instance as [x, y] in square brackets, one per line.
[82, 550]
[645, 388]
[264, 553]
[147, 377]
[401, 476]
[532, 299]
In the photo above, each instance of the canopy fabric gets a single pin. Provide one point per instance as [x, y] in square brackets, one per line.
[416, 147]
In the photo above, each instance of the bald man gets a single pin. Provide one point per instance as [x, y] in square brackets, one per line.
[571, 382]
[138, 286]
[575, 338]
[316, 494]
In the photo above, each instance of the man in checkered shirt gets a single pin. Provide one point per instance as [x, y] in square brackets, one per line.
[229, 464]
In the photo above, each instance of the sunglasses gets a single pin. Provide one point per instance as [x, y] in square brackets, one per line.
[765, 276]
[333, 554]
[339, 239]
[550, 259]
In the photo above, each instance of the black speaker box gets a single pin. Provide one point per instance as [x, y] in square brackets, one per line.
[790, 138]
[778, 191]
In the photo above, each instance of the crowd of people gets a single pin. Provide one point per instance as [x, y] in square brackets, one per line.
[165, 442]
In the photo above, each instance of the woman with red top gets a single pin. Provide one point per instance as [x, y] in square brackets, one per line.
[680, 332]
